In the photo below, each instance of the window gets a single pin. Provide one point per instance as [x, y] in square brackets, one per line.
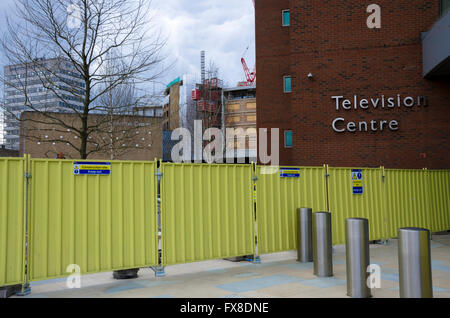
[444, 7]
[288, 139]
[287, 84]
[286, 18]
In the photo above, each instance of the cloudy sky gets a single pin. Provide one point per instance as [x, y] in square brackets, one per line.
[223, 28]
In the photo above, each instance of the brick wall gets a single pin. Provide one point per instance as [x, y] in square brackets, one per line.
[134, 137]
[331, 40]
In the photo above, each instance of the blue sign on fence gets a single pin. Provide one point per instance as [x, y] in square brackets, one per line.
[289, 172]
[91, 168]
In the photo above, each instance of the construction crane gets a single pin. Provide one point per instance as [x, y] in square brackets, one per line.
[250, 76]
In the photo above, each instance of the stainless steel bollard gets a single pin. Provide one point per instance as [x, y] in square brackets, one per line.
[414, 260]
[322, 244]
[304, 240]
[357, 257]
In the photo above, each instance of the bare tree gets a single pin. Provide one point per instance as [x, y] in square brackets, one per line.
[83, 54]
[211, 93]
[212, 70]
[117, 104]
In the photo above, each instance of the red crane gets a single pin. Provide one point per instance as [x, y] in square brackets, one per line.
[250, 76]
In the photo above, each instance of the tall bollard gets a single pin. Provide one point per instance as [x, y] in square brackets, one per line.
[414, 260]
[357, 256]
[305, 246]
[322, 244]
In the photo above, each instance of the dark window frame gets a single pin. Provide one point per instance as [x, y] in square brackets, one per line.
[285, 139]
[283, 20]
[284, 84]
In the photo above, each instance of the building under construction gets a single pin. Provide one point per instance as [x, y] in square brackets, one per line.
[240, 115]
[206, 100]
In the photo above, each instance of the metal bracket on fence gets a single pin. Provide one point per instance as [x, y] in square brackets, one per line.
[159, 271]
[27, 175]
[159, 174]
[255, 178]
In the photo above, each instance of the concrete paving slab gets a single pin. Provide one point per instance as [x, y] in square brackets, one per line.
[279, 275]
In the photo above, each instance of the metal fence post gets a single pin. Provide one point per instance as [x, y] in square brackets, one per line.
[322, 244]
[414, 258]
[26, 289]
[304, 240]
[159, 270]
[357, 257]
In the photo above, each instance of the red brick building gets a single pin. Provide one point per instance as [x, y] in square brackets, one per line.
[348, 82]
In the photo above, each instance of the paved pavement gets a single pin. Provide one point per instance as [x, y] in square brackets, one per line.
[279, 275]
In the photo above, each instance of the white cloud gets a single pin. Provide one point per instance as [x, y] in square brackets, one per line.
[223, 28]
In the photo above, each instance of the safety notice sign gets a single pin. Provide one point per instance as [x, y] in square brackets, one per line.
[290, 172]
[357, 181]
[91, 168]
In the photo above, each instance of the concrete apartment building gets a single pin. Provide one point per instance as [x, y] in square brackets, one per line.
[180, 111]
[1, 125]
[31, 79]
[356, 83]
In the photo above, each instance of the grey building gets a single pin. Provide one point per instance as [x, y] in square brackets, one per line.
[1, 126]
[436, 46]
[51, 85]
[151, 106]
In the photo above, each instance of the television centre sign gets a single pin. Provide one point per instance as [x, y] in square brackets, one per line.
[340, 125]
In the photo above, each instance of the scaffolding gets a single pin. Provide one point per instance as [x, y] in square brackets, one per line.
[208, 96]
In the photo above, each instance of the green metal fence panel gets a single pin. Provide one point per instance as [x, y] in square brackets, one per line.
[277, 201]
[12, 221]
[98, 222]
[407, 199]
[417, 198]
[439, 193]
[345, 204]
[206, 212]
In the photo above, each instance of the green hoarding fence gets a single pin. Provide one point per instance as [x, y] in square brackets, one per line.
[12, 220]
[103, 216]
[206, 212]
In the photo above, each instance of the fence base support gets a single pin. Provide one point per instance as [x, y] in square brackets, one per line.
[254, 259]
[8, 291]
[238, 259]
[159, 271]
[126, 274]
[25, 290]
